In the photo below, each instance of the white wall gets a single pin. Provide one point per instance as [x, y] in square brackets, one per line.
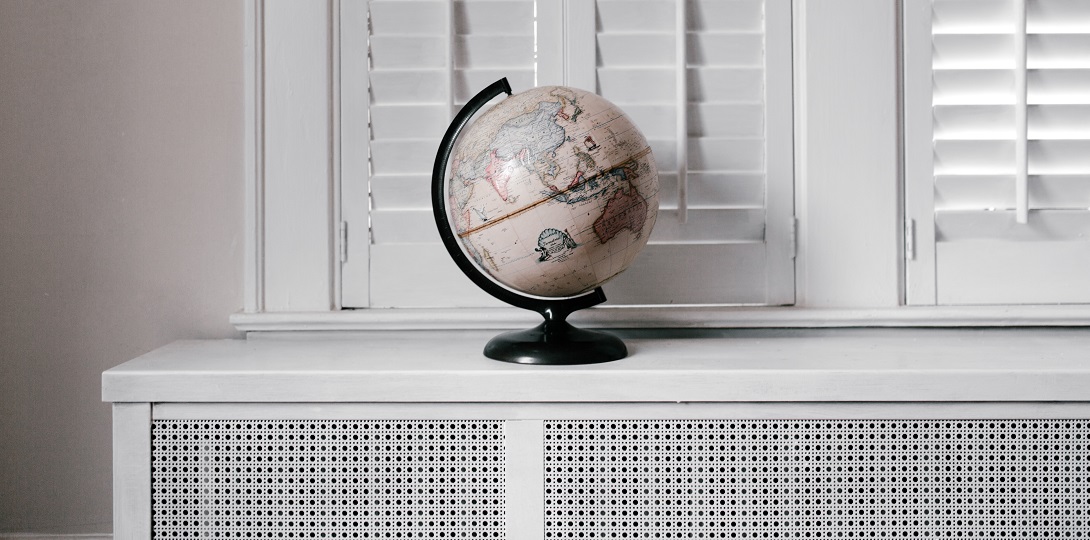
[121, 224]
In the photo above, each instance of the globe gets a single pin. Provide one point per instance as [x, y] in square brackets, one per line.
[552, 192]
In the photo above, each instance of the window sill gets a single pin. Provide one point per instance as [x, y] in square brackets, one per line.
[667, 317]
[664, 366]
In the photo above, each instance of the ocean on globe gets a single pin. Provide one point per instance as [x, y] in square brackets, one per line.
[552, 191]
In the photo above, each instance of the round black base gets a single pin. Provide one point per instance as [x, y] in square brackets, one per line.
[555, 343]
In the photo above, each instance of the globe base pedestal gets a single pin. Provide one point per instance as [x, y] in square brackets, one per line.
[556, 342]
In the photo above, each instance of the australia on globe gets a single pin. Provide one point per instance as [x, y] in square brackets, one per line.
[553, 191]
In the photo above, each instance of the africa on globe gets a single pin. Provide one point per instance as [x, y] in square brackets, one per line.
[552, 192]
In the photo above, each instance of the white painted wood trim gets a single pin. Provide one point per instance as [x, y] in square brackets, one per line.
[550, 43]
[918, 150]
[1021, 116]
[846, 365]
[132, 471]
[580, 68]
[335, 159]
[667, 317]
[531, 412]
[353, 135]
[39, 536]
[524, 478]
[297, 197]
[779, 150]
[848, 190]
[253, 144]
[681, 105]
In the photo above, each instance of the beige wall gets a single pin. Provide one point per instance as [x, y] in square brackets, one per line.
[121, 224]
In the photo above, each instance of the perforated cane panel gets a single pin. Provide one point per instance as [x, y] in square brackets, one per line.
[355, 479]
[817, 479]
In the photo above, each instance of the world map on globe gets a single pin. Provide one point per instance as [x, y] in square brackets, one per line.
[553, 191]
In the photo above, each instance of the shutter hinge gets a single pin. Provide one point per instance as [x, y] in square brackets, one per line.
[342, 241]
[910, 240]
[794, 238]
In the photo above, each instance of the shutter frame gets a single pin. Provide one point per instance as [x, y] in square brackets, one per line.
[962, 152]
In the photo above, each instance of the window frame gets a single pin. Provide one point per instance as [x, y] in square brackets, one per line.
[850, 256]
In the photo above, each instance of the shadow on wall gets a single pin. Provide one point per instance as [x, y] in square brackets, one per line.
[121, 225]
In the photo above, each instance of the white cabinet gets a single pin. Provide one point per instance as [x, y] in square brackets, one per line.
[702, 434]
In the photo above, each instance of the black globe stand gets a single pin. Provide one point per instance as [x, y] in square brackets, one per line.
[554, 341]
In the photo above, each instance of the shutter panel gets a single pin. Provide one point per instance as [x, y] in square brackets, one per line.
[729, 244]
[711, 243]
[982, 254]
[427, 59]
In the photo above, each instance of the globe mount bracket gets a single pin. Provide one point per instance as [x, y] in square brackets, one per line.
[553, 342]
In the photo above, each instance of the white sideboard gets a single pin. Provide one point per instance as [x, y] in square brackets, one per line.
[855, 433]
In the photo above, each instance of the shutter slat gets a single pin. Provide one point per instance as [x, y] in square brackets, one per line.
[403, 226]
[636, 49]
[726, 120]
[494, 51]
[1060, 122]
[403, 156]
[973, 51]
[408, 121]
[423, 17]
[996, 122]
[1059, 86]
[467, 82]
[709, 226]
[1059, 51]
[635, 16]
[991, 192]
[1054, 156]
[401, 191]
[1058, 16]
[723, 84]
[720, 15]
[723, 154]
[494, 17]
[726, 49]
[962, 17]
[1059, 156]
[654, 121]
[976, 86]
[715, 190]
[974, 122]
[625, 86]
[393, 52]
[408, 86]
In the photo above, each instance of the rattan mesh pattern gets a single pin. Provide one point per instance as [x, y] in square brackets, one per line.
[327, 479]
[817, 479]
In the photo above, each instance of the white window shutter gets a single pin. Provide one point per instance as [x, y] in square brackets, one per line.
[695, 77]
[427, 59]
[980, 252]
[729, 245]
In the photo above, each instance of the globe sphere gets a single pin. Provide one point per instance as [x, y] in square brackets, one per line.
[552, 192]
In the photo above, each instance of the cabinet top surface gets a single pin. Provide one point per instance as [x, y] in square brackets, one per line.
[662, 366]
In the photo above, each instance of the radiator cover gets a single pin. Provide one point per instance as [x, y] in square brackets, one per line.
[625, 479]
[327, 479]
